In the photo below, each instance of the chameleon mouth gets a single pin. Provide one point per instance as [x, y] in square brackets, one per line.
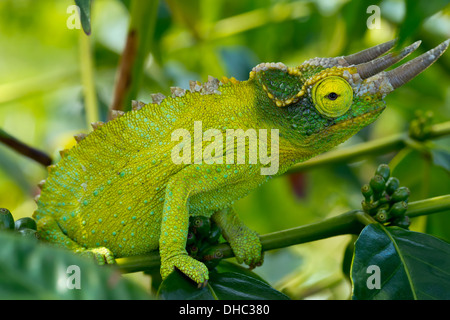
[372, 114]
[358, 122]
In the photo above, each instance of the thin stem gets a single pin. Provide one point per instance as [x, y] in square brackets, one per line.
[375, 147]
[87, 79]
[257, 18]
[351, 222]
[22, 148]
[143, 16]
[346, 223]
[428, 206]
[42, 83]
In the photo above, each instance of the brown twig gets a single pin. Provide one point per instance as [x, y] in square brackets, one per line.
[124, 76]
[24, 149]
[143, 16]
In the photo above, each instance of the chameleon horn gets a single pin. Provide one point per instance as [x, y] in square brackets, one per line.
[368, 69]
[369, 54]
[404, 73]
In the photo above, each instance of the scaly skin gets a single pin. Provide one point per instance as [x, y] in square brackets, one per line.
[118, 192]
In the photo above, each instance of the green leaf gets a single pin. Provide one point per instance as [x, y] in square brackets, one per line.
[221, 286]
[226, 266]
[30, 270]
[441, 158]
[85, 14]
[348, 257]
[178, 287]
[354, 17]
[429, 180]
[416, 14]
[412, 265]
[238, 286]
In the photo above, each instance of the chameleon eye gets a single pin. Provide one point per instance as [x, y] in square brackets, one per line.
[332, 96]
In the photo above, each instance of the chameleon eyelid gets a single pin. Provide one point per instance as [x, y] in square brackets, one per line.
[332, 107]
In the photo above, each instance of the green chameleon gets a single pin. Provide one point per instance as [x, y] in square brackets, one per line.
[119, 192]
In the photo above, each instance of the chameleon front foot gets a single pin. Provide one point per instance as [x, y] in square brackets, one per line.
[192, 268]
[247, 249]
[102, 255]
[244, 242]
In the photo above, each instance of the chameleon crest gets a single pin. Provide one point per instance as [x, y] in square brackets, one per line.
[118, 193]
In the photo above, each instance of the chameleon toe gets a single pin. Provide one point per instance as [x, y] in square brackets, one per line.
[101, 255]
[202, 285]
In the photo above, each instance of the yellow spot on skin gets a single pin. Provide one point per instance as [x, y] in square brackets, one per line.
[294, 71]
[233, 80]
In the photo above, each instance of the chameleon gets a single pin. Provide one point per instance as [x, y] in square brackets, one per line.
[118, 192]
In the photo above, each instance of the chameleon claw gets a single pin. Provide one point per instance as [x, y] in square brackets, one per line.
[101, 255]
[255, 264]
[202, 284]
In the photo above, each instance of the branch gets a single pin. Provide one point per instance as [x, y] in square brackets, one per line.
[143, 16]
[351, 222]
[428, 206]
[375, 147]
[123, 81]
[24, 149]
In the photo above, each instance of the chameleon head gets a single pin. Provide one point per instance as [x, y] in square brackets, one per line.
[327, 100]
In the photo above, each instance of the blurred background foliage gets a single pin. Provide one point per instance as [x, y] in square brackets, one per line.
[47, 71]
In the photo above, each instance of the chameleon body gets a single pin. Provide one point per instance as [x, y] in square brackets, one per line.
[119, 193]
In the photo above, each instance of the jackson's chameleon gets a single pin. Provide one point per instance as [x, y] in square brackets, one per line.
[119, 192]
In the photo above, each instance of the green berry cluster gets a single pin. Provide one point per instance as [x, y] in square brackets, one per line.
[202, 235]
[420, 127]
[25, 227]
[385, 200]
